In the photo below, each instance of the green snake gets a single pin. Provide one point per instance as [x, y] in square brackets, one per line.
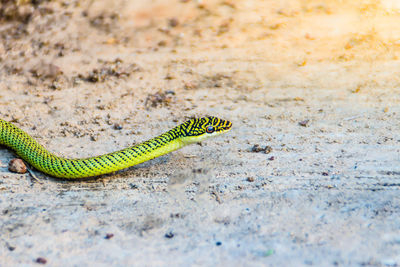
[191, 131]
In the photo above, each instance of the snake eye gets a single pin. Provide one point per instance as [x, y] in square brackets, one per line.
[210, 129]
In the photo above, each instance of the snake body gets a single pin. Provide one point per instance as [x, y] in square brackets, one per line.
[191, 131]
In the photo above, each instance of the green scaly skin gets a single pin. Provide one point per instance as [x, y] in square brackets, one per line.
[192, 131]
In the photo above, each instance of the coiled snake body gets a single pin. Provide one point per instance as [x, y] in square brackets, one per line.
[192, 131]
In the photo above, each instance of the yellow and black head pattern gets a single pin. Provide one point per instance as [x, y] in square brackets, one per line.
[197, 130]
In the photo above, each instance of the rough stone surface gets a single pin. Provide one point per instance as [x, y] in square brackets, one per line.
[17, 165]
[326, 194]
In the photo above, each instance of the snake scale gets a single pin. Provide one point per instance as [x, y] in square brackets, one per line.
[191, 131]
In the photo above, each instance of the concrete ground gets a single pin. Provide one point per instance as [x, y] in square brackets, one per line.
[309, 174]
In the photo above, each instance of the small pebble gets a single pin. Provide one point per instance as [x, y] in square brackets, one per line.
[304, 123]
[169, 235]
[109, 236]
[173, 22]
[162, 43]
[250, 179]
[46, 70]
[17, 165]
[271, 158]
[257, 148]
[325, 174]
[267, 150]
[118, 126]
[41, 260]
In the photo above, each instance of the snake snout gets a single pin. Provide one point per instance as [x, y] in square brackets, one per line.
[226, 126]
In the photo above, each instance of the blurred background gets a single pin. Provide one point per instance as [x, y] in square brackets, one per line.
[293, 34]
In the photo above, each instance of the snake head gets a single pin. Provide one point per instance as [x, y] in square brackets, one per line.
[197, 130]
